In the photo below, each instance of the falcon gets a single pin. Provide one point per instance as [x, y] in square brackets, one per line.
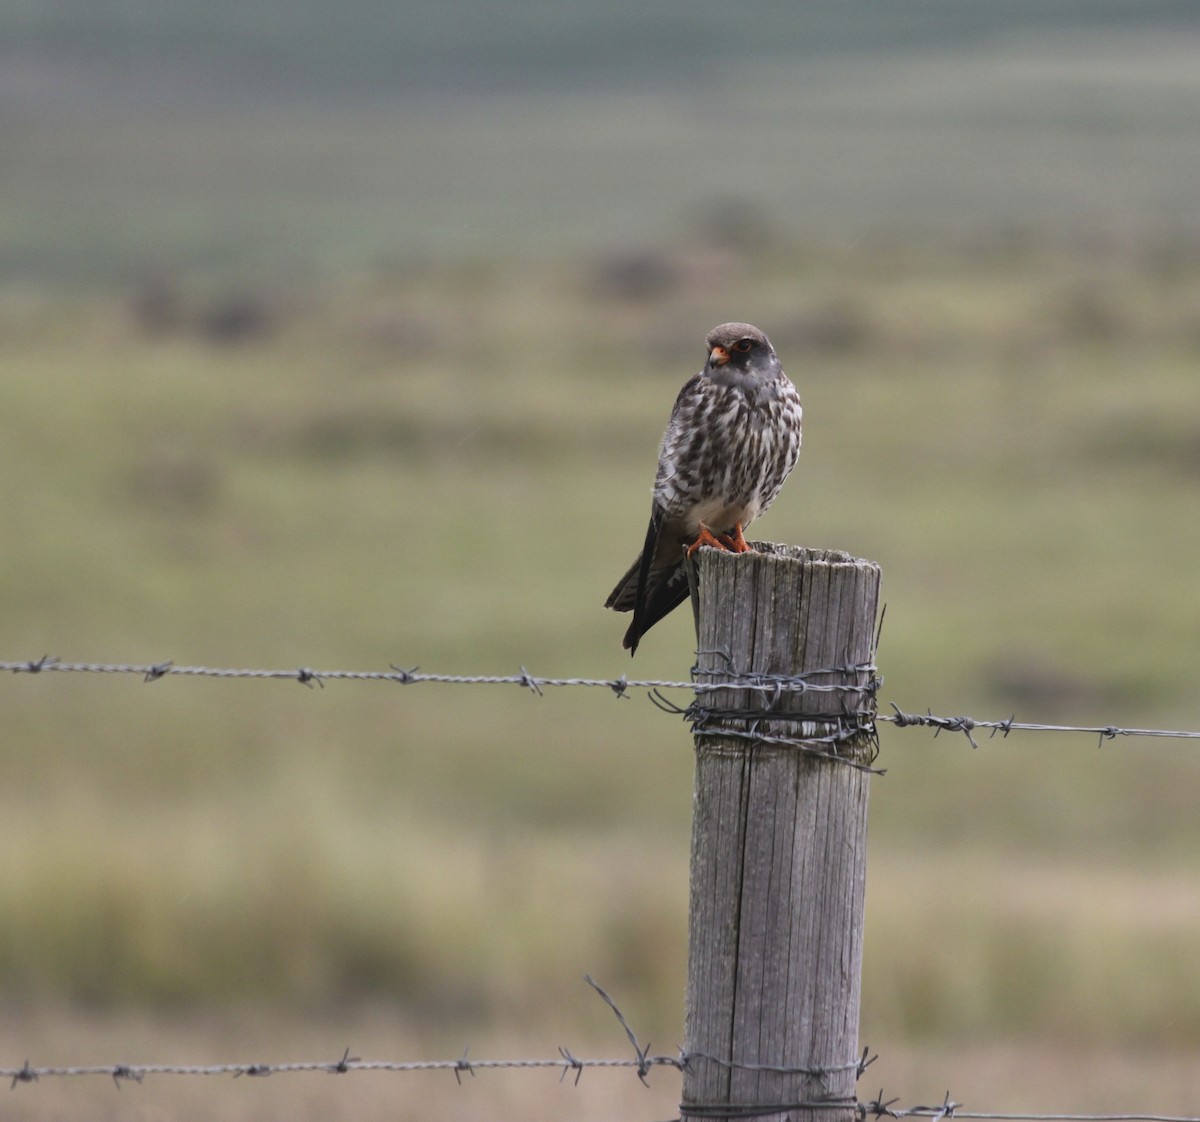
[733, 438]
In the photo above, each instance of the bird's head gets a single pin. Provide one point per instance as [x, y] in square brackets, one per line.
[738, 350]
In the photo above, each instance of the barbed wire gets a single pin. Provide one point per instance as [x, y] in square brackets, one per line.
[966, 725]
[464, 1065]
[566, 1062]
[950, 1109]
[642, 1061]
[774, 684]
[879, 1108]
[771, 687]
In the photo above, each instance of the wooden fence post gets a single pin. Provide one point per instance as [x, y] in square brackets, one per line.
[778, 864]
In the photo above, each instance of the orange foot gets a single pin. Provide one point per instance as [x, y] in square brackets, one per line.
[706, 537]
[730, 543]
[735, 542]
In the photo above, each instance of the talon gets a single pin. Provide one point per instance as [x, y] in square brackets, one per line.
[736, 542]
[706, 537]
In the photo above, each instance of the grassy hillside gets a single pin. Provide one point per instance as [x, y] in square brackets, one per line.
[152, 144]
[450, 469]
[309, 48]
[342, 341]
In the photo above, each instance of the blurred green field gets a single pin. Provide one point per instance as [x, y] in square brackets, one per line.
[344, 338]
[449, 468]
[126, 156]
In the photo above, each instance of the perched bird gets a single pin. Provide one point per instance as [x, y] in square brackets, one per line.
[732, 440]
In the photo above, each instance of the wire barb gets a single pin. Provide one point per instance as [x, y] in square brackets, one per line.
[259, 1071]
[122, 1072]
[865, 1061]
[463, 1064]
[343, 1065]
[569, 1063]
[880, 1108]
[945, 1110]
[531, 682]
[36, 665]
[643, 1065]
[25, 1074]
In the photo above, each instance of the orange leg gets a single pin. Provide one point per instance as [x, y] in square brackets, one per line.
[735, 542]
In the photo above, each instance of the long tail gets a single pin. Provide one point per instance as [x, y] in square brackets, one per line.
[651, 589]
[669, 590]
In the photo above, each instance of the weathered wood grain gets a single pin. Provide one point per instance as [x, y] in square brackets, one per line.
[779, 837]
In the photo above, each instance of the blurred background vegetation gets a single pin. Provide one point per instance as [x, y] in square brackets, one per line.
[343, 338]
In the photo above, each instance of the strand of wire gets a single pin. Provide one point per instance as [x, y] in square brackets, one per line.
[642, 1061]
[565, 1062]
[773, 684]
[770, 685]
[950, 1109]
[967, 725]
[888, 1109]
[761, 1110]
[999, 1116]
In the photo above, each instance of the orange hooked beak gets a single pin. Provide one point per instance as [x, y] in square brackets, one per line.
[718, 356]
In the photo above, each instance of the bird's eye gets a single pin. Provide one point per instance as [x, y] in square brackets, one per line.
[744, 345]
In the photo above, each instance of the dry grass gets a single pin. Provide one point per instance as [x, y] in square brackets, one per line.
[1016, 1076]
[401, 471]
